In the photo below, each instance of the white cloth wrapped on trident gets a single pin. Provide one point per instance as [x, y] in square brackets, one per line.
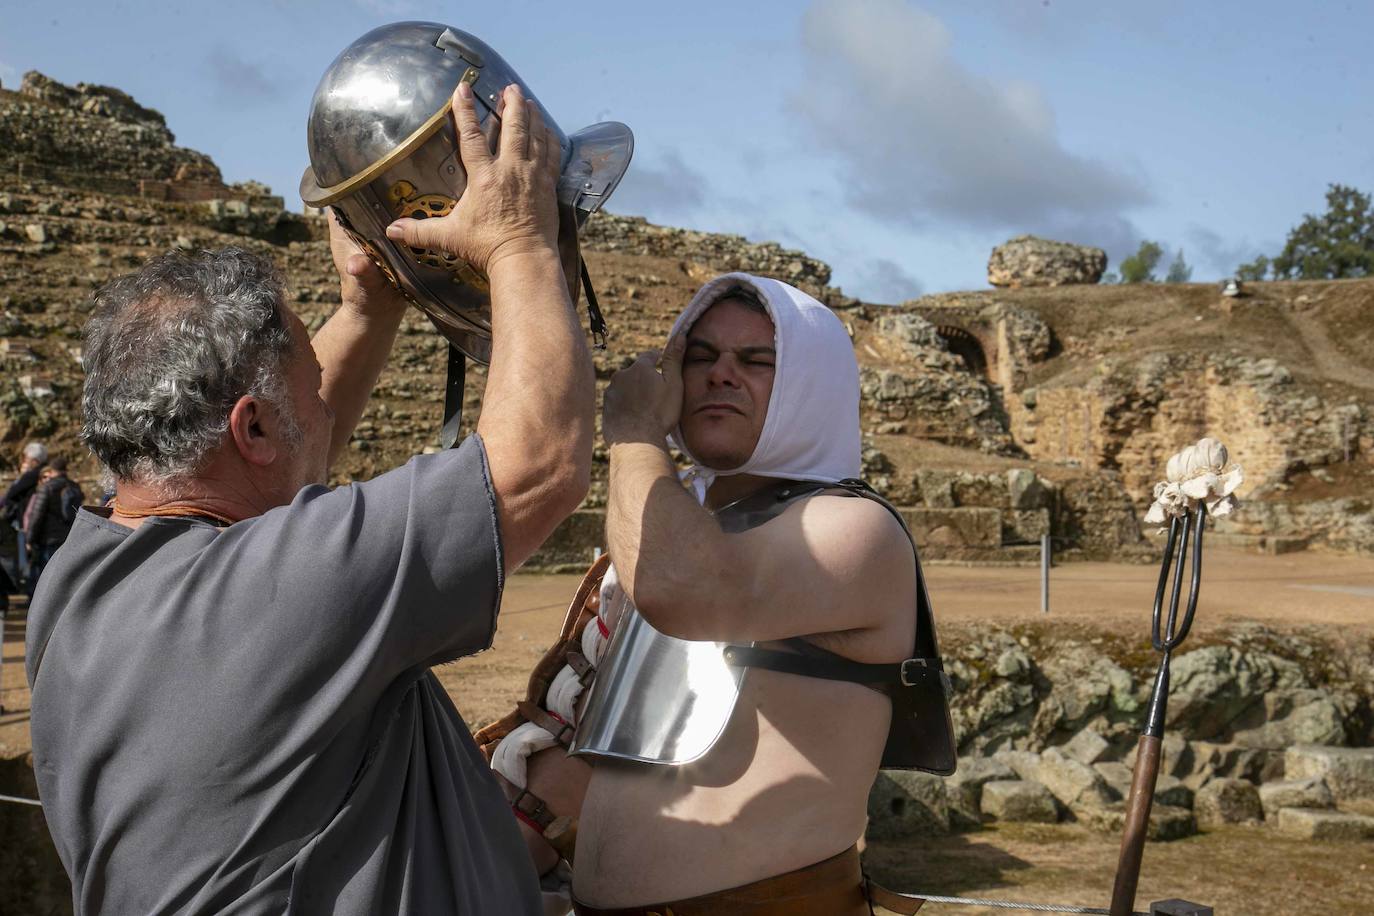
[1201, 473]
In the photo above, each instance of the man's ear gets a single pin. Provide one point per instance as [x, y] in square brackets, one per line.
[252, 425]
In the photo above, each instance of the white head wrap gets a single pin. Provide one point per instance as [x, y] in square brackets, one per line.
[811, 431]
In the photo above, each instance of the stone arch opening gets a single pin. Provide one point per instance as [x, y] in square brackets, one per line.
[967, 347]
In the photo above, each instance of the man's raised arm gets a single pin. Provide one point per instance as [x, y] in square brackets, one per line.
[536, 418]
[353, 344]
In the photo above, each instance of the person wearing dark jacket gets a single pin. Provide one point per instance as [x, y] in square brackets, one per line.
[50, 517]
[13, 554]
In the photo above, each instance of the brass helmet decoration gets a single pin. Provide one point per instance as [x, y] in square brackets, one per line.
[382, 146]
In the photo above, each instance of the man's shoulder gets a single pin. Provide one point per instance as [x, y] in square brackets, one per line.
[841, 516]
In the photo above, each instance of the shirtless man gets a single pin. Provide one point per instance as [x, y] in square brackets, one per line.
[759, 386]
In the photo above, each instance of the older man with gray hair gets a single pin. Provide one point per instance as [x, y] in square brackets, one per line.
[233, 709]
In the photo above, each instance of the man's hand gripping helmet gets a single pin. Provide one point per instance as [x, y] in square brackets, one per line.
[382, 146]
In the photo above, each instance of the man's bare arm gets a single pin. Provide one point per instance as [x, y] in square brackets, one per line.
[353, 344]
[830, 564]
[536, 418]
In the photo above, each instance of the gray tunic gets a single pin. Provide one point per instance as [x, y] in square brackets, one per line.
[243, 719]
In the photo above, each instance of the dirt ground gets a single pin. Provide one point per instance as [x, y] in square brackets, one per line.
[1238, 871]
[1301, 589]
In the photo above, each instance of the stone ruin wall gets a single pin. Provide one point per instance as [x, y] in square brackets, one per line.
[1272, 425]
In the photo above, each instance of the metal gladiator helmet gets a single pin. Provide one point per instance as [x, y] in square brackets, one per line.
[382, 146]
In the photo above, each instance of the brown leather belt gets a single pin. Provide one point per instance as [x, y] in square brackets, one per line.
[835, 887]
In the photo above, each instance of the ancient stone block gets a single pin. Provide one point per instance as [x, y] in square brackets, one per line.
[1215, 685]
[1292, 717]
[1320, 824]
[1176, 756]
[1086, 747]
[1117, 776]
[1024, 490]
[966, 526]
[1075, 784]
[1019, 800]
[1227, 801]
[1027, 260]
[1167, 822]
[905, 803]
[1170, 790]
[975, 772]
[1347, 771]
[1025, 525]
[1301, 793]
[1209, 759]
[36, 233]
[963, 806]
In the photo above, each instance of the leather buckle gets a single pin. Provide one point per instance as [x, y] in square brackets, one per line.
[914, 671]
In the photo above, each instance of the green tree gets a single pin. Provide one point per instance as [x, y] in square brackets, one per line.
[1140, 267]
[1338, 243]
[1255, 270]
[1180, 271]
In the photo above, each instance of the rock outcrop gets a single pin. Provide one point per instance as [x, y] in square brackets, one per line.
[1029, 260]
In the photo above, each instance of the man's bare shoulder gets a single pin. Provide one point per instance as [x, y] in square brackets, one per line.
[853, 561]
[851, 525]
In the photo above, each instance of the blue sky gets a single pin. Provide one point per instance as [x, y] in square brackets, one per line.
[899, 141]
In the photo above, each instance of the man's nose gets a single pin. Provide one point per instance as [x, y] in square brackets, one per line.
[725, 371]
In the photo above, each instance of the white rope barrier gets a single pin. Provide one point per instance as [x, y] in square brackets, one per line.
[1013, 905]
[21, 801]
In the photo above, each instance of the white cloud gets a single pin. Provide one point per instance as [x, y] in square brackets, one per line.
[1220, 257]
[927, 142]
[883, 280]
[666, 191]
[239, 81]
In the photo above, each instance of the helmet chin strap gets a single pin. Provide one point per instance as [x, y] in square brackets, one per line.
[457, 370]
[453, 397]
[594, 319]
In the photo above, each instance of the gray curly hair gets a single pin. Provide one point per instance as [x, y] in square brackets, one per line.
[170, 349]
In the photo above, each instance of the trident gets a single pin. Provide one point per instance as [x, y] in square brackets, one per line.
[1165, 640]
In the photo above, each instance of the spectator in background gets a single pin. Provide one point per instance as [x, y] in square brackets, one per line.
[49, 517]
[13, 553]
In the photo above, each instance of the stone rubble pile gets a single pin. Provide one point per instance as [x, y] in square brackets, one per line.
[1022, 786]
[1047, 729]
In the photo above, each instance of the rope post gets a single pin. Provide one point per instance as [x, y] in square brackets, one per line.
[1044, 573]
